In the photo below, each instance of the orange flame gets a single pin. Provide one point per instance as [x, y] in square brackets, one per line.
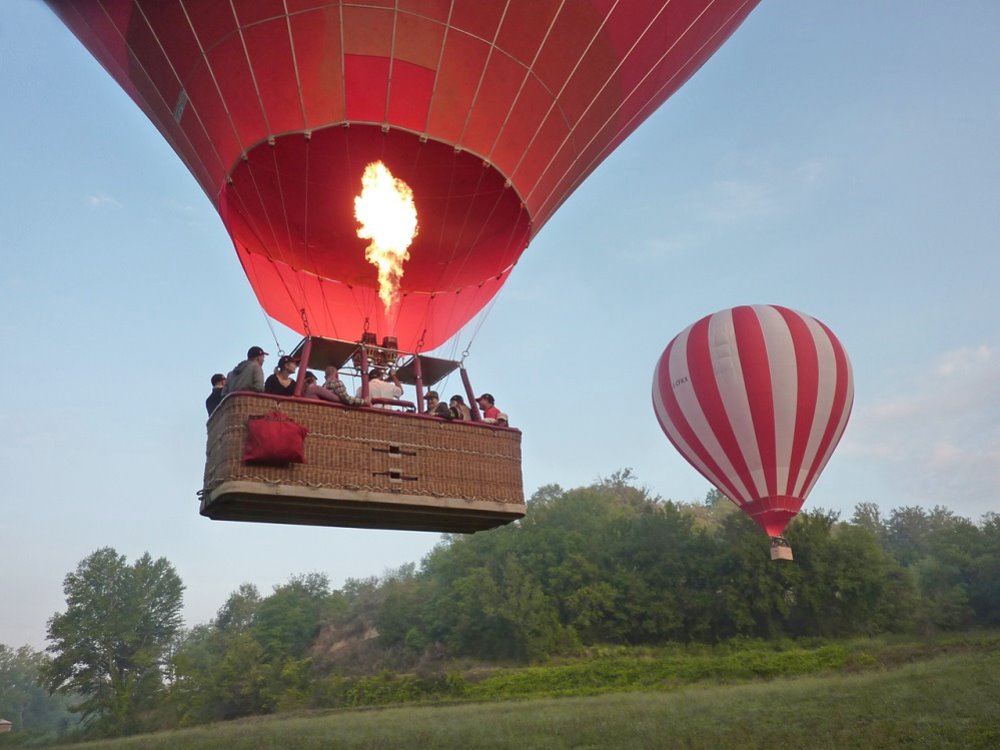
[388, 218]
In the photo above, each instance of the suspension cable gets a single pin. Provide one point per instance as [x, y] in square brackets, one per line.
[483, 315]
[267, 320]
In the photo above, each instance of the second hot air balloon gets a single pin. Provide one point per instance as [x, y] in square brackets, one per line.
[756, 398]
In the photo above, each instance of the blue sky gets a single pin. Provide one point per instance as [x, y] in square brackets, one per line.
[838, 158]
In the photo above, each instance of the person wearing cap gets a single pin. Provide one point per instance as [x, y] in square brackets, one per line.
[218, 383]
[434, 406]
[457, 408]
[336, 388]
[491, 414]
[281, 383]
[248, 375]
[379, 388]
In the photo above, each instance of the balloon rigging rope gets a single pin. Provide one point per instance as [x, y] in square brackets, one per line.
[267, 320]
[479, 323]
[266, 247]
[300, 306]
[465, 222]
[320, 281]
[255, 230]
[482, 316]
[363, 313]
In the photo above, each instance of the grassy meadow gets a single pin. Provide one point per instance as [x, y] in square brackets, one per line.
[892, 696]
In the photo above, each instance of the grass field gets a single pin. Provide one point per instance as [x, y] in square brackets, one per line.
[949, 701]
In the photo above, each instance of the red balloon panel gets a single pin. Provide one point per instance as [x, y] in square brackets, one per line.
[337, 310]
[274, 76]
[282, 207]
[317, 38]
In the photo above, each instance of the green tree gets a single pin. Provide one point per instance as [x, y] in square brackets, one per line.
[24, 700]
[869, 517]
[111, 643]
[219, 669]
[984, 583]
[849, 583]
[286, 622]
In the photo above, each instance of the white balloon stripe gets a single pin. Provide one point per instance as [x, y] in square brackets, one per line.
[843, 402]
[702, 407]
[694, 419]
[783, 367]
[826, 390]
[807, 373]
[727, 370]
[674, 433]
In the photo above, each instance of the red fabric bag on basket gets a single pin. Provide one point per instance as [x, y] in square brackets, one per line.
[275, 439]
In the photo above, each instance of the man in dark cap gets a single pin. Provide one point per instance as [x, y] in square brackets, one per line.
[218, 383]
[491, 414]
[434, 406]
[248, 375]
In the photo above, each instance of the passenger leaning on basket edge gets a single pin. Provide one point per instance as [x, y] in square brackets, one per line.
[336, 386]
[248, 375]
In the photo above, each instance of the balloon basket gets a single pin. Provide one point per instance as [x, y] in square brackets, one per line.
[780, 549]
[365, 468]
[395, 467]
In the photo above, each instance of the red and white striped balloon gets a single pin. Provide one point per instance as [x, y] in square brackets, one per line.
[756, 398]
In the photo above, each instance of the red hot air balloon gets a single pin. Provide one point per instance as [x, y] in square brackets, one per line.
[756, 399]
[491, 111]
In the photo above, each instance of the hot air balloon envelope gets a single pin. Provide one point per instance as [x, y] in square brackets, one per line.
[492, 111]
[756, 399]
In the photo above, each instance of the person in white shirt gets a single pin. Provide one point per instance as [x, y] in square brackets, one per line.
[379, 388]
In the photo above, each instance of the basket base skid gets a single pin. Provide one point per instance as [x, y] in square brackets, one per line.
[290, 504]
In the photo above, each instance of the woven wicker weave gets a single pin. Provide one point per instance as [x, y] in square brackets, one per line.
[365, 467]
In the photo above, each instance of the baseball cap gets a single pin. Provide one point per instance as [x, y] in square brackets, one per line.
[255, 351]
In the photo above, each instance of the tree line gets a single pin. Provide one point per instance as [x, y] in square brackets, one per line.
[606, 564]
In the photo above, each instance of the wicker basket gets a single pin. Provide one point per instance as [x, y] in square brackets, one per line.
[365, 467]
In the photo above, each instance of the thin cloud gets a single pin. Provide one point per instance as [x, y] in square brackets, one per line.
[938, 439]
[964, 360]
[733, 201]
[809, 173]
[763, 189]
[101, 200]
[185, 209]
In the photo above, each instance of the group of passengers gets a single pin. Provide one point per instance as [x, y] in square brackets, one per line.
[456, 409]
[248, 375]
